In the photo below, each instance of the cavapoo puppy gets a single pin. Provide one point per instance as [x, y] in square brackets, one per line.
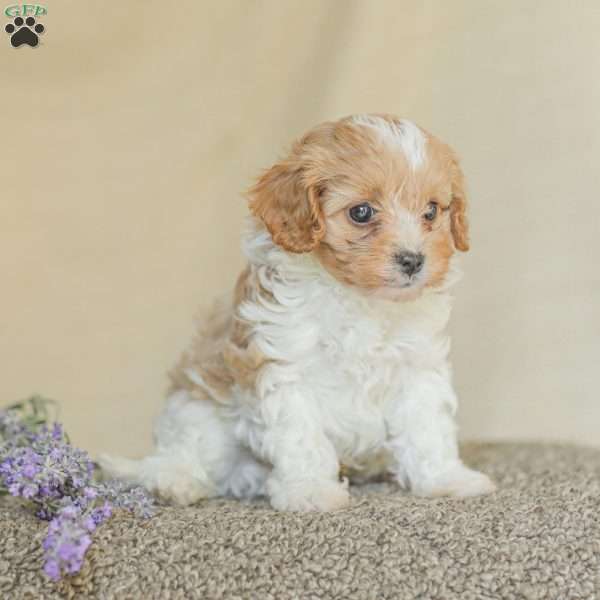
[331, 352]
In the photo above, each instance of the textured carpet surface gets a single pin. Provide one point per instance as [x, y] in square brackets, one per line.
[537, 537]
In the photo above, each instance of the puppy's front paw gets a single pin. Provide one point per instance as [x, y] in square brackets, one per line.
[307, 495]
[459, 482]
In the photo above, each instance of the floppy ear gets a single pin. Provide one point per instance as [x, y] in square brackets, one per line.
[459, 225]
[289, 208]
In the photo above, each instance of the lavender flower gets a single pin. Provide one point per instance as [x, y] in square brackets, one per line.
[45, 470]
[66, 543]
[133, 499]
[40, 466]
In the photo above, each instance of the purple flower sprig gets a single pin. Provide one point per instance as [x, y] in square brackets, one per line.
[39, 465]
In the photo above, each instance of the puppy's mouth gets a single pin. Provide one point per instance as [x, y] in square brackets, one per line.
[402, 289]
[404, 282]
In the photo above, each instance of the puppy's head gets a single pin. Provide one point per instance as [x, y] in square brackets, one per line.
[379, 201]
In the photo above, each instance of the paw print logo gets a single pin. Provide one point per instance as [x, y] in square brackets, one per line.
[24, 32]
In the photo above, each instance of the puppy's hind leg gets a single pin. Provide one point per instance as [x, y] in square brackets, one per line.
[194, 453]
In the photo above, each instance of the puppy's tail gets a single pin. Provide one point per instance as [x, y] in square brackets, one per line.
[124, 469]
[169, 478]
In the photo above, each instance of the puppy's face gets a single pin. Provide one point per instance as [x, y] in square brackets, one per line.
[378, 201]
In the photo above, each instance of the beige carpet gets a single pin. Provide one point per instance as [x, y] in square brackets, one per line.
[537, 537]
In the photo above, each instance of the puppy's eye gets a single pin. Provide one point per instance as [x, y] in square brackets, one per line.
[361, 213]
[432, 210]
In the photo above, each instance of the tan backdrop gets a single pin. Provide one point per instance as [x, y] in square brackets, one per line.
[128, 134]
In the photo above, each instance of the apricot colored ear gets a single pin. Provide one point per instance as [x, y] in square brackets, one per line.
[459, 225]
[288, 207]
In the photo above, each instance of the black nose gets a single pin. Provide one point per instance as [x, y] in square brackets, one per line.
[410, 262]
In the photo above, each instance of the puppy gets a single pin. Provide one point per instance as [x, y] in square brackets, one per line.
[331, 351]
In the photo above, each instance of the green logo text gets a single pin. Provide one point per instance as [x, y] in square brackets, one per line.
[25, 10]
